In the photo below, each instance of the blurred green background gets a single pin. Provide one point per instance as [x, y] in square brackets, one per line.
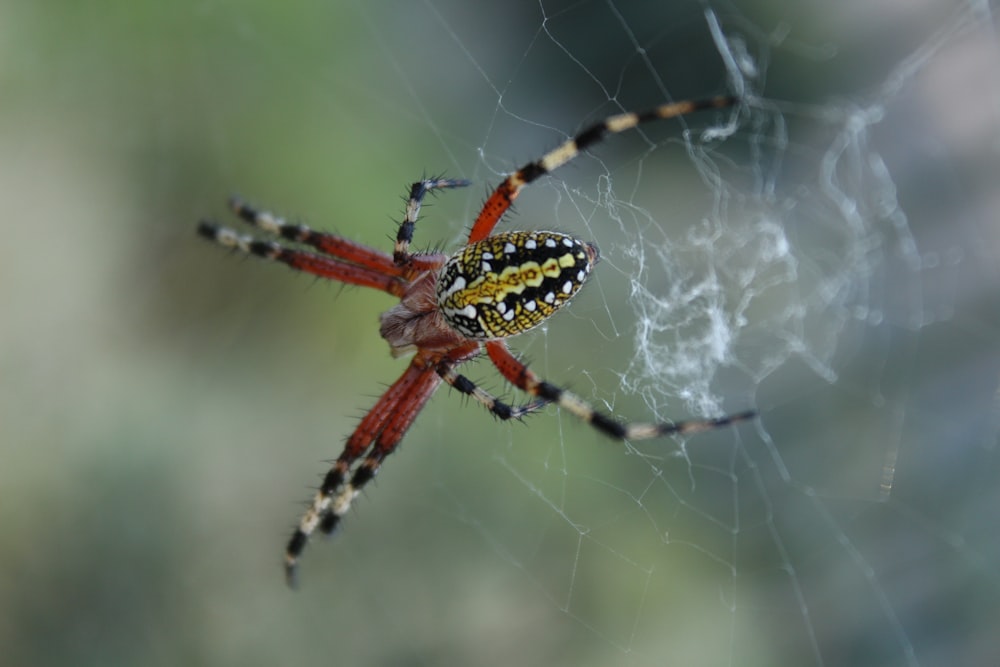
[166, 406]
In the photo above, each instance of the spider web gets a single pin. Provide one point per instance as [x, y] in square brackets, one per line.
[826, 254]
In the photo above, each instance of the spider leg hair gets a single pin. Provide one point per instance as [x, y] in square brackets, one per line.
[525, 379]
[378, 434]
[505, 194]
[307, 262]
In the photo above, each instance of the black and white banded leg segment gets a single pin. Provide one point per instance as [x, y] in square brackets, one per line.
[497, 408]
[525, 379]
[404, 236]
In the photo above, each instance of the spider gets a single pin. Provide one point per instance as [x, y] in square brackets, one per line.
[450, 309]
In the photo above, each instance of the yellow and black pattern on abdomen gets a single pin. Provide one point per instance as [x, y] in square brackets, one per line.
[511, 282]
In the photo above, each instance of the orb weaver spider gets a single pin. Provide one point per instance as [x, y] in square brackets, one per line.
[451, 308]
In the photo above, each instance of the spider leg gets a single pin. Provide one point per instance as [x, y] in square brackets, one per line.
[328, 244]
[401, 252]
[497, 407]
[507, 192]
[380, 431]
[308, 262]
[522, 377]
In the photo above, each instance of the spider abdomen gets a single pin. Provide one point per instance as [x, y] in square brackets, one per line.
[511, 282]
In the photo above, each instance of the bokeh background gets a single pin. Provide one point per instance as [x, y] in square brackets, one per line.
[165, 406]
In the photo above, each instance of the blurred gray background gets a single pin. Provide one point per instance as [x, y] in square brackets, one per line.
[165, 406]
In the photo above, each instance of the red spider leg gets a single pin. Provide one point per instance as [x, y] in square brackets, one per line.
[507, 192]
[329, 244]
[308, 262]
[383, 425]
[525, 379]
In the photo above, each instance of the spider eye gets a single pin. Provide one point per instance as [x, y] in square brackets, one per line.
[511, 282]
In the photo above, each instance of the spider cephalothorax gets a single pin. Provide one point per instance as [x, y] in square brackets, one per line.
[451, 309]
